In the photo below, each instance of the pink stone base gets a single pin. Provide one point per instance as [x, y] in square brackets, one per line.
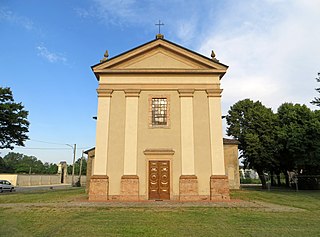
[219, 188]
[99, 187]
[129, 188]
[188, 188]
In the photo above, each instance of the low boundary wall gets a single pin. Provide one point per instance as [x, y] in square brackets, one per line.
[36, 180]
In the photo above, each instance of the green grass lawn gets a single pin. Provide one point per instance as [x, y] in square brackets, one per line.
[21, 218]
[307, 200]
[44, 196]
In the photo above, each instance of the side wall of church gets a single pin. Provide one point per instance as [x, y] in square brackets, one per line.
[232, 165]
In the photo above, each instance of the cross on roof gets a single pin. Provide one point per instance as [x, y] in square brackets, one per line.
[159, 24]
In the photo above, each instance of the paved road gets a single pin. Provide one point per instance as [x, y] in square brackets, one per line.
[37, 188]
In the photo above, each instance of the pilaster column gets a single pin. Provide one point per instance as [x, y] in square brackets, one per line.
[188, 184]
[219, 188]
[99, 182]
[130, 180]
[216, 139]
[102, 132]
[187, 139]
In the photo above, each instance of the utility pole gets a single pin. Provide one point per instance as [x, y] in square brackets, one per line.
[74, 160]
[80, 168]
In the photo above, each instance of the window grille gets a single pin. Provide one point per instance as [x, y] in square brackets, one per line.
[159, 111]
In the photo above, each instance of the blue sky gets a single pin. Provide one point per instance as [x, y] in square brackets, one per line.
[47, 48]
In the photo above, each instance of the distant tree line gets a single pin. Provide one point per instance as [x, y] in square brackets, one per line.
[77, 165]
[274, 143]
[16, 163]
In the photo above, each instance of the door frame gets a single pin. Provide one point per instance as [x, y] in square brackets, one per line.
[159, 155]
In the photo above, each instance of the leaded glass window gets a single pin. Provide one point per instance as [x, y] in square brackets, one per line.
[159, 111]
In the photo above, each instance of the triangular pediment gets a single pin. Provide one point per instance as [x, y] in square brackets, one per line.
[159, 59]
[159, 55]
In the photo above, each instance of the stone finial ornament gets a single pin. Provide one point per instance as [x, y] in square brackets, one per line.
[106, 55]
[213, 56]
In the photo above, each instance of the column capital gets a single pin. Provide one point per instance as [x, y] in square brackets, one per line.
[132, 93]
[104, 92]
[214, 92]
[186, 93]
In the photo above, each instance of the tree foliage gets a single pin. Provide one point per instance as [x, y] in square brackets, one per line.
[286, 141]
[299, 135]
[77, 167]
[3, 167]
[19, 163]
[254, 126]
[316, 100]
[13, 121]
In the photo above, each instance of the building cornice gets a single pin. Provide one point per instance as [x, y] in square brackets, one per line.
[214, 89]
[132, 92]
[214, 92]
[186, 92]
[104, 92]
[159, 151]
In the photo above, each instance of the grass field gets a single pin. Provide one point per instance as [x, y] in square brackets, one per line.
[50, 213]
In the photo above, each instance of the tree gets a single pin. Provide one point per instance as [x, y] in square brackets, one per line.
[12, 160]
[50, 168]
[19, 163]
[254, 126]
[13, 121]
[29, 164]
[3, 167]
[77, 167]
[299, 136]
[316, 100]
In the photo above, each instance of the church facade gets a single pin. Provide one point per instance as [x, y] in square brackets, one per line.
[159, 126]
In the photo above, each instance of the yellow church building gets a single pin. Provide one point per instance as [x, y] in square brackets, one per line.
[159, 127]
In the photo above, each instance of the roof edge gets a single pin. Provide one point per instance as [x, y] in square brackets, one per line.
[168, 41]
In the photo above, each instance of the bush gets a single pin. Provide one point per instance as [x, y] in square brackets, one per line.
[250, 181]
[309, 182]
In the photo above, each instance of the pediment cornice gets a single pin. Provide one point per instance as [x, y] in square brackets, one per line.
[159, 56]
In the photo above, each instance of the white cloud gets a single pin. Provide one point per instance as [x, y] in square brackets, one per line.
[272, 48]
[186, 29]
[112, 11]
[181, 17]
[10, 16]
[50, 56]
[81, 12]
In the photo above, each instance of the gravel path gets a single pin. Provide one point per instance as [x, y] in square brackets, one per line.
[258, 206]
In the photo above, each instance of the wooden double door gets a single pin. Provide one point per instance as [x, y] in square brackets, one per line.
[159, 180]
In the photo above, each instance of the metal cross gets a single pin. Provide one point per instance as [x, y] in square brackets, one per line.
[159, 24]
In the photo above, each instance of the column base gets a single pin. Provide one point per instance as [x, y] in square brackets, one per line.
[219, 188]
[129, 188]
[188, 188]
[99, 188]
